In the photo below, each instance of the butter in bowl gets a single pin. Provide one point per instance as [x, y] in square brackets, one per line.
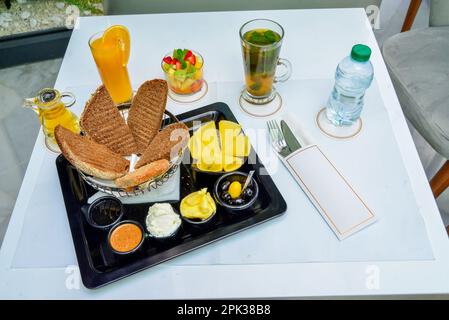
[198, 208]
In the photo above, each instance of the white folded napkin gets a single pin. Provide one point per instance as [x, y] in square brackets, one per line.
[332, 194]
[334, 197]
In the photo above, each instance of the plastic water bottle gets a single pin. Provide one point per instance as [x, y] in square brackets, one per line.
[353, 76]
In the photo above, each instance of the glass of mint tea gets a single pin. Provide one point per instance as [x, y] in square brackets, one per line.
[261, 41]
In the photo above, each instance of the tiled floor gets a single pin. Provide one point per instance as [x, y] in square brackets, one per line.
[19, 127]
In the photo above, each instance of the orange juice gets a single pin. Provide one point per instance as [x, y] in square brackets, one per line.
[111, 53]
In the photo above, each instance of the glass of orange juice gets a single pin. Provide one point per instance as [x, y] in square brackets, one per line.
[110, 50]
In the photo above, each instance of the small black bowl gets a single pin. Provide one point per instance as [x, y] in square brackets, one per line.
[198, 223]
[235, 176]
[137, 247]
[164, 240]
[104, 212]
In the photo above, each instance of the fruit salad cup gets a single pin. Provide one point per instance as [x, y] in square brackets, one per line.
[183, 70]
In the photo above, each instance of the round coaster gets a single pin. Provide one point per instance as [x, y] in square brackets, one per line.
[337, 132]
[189, 98]
[261, 110]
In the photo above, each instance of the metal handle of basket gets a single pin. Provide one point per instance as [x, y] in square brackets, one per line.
[171, 116]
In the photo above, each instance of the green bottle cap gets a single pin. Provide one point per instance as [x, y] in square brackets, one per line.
[360, 52]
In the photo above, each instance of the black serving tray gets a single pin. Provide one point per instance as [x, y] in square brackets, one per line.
[99, 265]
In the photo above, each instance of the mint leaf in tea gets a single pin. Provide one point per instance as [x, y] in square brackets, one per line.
[260, 56]
[262, 37]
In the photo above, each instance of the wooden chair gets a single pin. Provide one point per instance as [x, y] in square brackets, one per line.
[418, 62]
[440, 181]
[411, 15]
[402, 53]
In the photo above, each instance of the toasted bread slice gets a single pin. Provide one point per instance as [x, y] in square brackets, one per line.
[143, 174]
[102, 122]
[166, 144]
[90, 157]
[146, 112]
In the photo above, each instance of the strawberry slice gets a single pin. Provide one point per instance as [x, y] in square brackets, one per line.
[188, 55]
[168, 60]
[192, 60]
[177, 64]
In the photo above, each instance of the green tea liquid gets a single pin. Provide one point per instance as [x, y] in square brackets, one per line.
[260, 57]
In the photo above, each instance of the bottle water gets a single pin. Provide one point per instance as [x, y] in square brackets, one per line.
[353, 76]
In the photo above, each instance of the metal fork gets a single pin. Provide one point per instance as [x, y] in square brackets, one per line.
[277, 138]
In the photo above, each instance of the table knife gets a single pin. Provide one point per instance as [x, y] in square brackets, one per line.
[292, 143]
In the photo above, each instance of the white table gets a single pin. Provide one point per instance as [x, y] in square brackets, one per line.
[315, 42]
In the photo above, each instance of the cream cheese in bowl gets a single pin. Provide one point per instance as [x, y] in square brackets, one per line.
[162, 221]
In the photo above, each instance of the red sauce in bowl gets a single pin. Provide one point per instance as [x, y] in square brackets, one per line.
[125, 237]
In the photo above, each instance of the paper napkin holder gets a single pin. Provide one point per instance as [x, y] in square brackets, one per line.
[333, 196]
